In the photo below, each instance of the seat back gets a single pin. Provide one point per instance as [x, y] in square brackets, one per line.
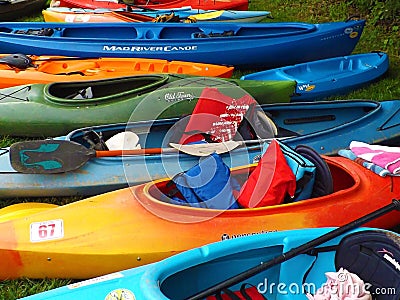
[374, 255]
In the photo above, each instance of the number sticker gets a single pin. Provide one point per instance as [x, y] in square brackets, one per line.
[46, 230]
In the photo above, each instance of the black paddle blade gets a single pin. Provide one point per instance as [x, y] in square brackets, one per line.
[19, 61]
[48, 156]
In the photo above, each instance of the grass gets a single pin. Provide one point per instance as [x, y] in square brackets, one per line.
[374, 38]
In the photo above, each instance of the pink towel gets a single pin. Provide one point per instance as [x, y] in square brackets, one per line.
[341, 285]
[383, 156]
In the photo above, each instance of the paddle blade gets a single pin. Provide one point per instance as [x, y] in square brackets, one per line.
[48, 156]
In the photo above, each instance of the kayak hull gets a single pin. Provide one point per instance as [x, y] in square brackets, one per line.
[54, 109]
[345, 119]
[320, 79]
[266, 45]
[215, 5]
[54, 69]
[74, 15]
[164, 279]
[88, 238]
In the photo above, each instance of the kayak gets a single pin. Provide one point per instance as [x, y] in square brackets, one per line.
[14, 9]
[320, 79]
[225, 259]
[265, 44]
[47, 69]
[74, 15]
[88, 238]
[56, 108]
[160, 4]
[317, 124]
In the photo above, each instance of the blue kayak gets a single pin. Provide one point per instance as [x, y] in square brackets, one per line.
[264, 44]
[329, 77]
[317, 124]
[186, 274]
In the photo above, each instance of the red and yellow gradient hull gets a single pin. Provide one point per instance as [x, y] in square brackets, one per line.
[130, 227]
[54, 69]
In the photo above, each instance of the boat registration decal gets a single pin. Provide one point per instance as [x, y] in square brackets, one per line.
[120, 294]
[91, 281]
[46, 230]
[150, 48]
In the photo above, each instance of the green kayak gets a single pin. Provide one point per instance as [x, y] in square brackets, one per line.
[45, 110]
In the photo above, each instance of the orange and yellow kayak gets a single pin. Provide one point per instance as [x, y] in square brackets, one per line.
[132, 226]
[56, 69]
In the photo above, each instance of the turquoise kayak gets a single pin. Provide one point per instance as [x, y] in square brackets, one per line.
[342, 259]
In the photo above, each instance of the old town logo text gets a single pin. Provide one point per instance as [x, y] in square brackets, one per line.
[178, 96]
[149, 48]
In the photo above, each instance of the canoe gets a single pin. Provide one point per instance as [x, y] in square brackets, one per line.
[185, 274]
[320, 79]
[74, 15]
[88, 238]
[160, 4]
[56, 108]
[14, 9]
[315, 124]
[47, 69]
[265, 44]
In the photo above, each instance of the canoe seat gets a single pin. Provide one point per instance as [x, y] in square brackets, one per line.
[323, 183]
[373, 255]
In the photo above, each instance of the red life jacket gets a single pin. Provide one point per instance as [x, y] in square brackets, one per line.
[270, 182]
[217, 115]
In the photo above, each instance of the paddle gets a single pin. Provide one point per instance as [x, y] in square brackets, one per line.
[58, 156]
[208, 148]
[395, 205]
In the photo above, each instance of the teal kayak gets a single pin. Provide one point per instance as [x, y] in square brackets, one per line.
[342, 259]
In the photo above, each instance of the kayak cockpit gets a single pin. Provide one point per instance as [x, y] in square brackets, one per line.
[160, 191]
[196, 276]
[102, 90]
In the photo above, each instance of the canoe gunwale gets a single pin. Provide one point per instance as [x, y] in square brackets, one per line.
[158, 32]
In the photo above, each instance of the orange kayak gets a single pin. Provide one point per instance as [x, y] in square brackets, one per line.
[132, 227]
[56, 69]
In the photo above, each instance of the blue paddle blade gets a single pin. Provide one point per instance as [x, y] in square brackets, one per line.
[48, 156]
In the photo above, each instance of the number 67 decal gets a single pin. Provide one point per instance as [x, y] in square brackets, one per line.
[46, 230]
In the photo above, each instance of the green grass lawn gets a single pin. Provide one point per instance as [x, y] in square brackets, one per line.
[376, 36]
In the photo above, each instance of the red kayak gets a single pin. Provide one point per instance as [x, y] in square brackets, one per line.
[160, 4]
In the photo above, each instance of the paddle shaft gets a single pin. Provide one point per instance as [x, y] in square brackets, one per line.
[134, 152]
[395, 205]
